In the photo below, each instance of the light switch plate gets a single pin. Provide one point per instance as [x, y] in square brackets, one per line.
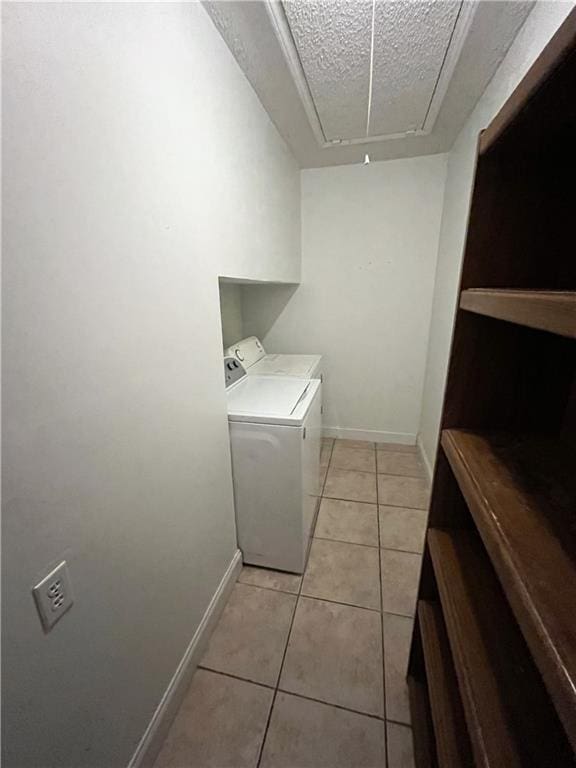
[53, 596]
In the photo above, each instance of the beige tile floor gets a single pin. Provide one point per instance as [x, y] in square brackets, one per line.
[309, 672]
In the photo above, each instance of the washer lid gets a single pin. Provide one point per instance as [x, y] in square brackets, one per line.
[285, 414]
[286, 365]
[266, 396]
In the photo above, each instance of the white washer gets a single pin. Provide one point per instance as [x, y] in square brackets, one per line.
[253, 357]
[275, 435]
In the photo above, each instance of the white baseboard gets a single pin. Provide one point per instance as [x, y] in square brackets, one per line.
[426, 460]
[154, 735]
[373, 435]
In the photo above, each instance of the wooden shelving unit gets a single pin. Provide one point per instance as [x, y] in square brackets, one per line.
[524, 515]
[492, 670]
[451, 736]
[553, 311]
[422, 729]
[501, 690]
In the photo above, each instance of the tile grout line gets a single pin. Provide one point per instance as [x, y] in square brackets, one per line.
[381, 620]
[288, 635]
[275, 688]
[399, 722]
[275, 693]
[399, 615]
[383, 612]
[328, 600]
[352, 447]
[338, 602]
[270, 589]
[370, 546]
[343, 541]
[372, 503]
[377, 472]
[404, 552]
[330, 704]
[354, 501]
[383, 719]
[299, 595]
[386, 720]
[407, 477]
[235, 677]
[296, 695]
[325, 477]
[409, 449]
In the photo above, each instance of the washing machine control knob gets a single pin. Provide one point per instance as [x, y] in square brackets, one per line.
[233, 371]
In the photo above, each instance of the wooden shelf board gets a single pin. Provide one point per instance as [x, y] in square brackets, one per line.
[451, 735]
[422, 730]
[510, 719]
[553, 311]
[528, 526]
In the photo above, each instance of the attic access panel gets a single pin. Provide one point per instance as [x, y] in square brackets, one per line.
[416, 46]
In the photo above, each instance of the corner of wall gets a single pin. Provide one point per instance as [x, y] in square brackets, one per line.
[419, 440]
[427, 460]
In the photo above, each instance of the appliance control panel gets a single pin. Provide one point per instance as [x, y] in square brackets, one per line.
[233, 371]
[247, 351]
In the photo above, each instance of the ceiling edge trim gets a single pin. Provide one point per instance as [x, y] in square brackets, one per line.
[459, 33]
[284, 36]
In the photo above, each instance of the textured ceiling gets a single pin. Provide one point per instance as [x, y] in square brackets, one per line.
[251, 33]
[410, 44]
[333, 43]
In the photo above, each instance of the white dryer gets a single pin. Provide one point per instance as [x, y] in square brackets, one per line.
[275, 435]
[253, 357]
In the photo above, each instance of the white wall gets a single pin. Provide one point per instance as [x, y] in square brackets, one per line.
[539, 27]
[231, 313]
[369, 245]
[138, 165]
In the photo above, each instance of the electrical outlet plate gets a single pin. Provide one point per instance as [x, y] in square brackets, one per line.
[53, 596]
